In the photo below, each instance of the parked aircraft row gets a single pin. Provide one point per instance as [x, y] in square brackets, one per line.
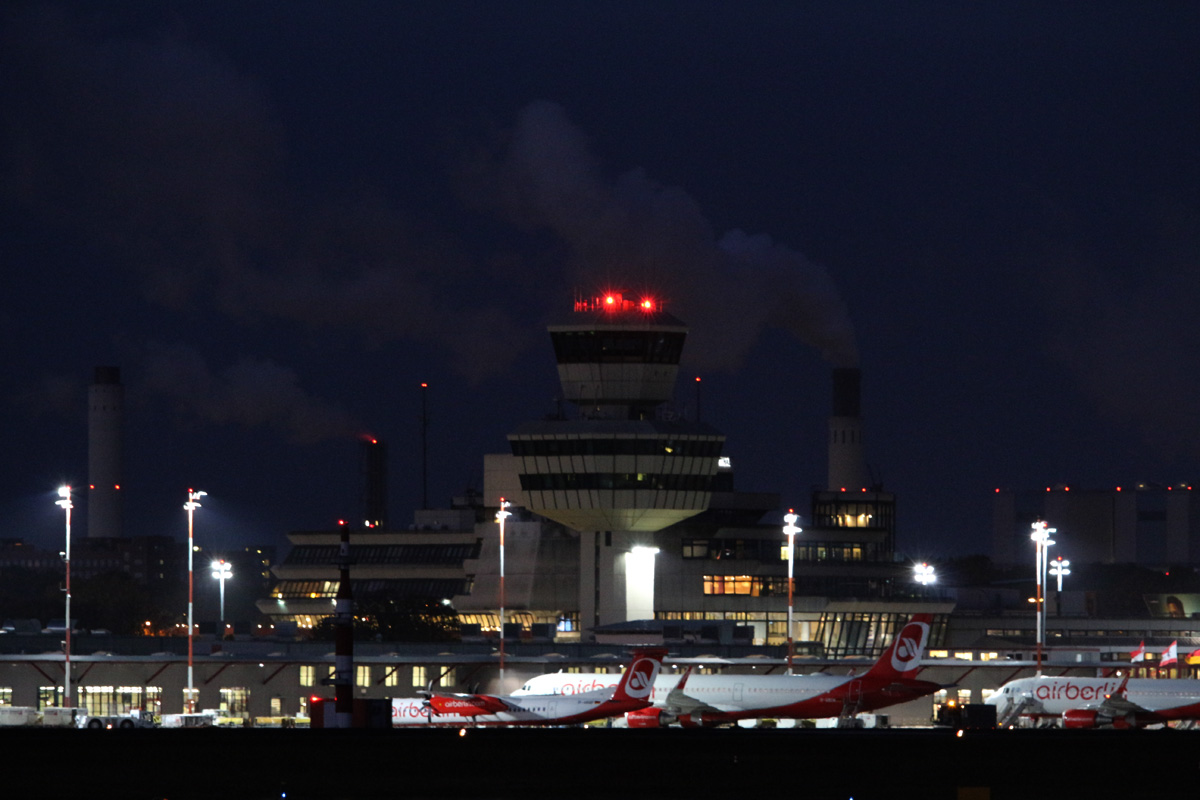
[648, 699]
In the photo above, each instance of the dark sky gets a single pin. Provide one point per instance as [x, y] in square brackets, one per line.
[279, 218]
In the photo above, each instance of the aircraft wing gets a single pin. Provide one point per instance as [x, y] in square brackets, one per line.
[679, 703]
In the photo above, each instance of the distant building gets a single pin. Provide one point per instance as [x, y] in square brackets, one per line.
[1142, 523]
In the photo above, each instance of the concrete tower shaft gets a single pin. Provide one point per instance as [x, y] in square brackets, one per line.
[106, 403]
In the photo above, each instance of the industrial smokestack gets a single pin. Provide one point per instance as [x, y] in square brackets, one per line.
[343, 627]
[106, 401]
[375, 486]
[847, 467]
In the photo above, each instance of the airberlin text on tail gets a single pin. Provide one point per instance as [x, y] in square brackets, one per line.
[902, 659]
[638, 681]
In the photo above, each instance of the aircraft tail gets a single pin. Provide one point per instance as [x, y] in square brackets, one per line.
[638, 681]
[902, 659]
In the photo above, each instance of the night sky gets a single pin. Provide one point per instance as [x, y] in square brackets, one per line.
[278, 219]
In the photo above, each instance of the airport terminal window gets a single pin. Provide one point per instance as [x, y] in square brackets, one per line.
[392, 677]
[235, 701]
[363, 675]
[49, 696]
[646, 481]
[5, 695]
[307, 674]
[750, 585]
[612, 446]
[418, 677]
[447, 677]
[695, 548]
[616, 346]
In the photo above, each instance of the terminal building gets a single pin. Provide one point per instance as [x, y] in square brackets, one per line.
[627, 526]
[626, 521]
[1142, 523]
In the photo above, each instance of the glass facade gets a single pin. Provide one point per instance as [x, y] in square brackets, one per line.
[617, 346]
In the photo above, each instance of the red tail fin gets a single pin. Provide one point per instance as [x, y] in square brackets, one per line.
[638, 681]
[902, 659]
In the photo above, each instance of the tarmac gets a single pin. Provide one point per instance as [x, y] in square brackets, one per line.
[300, 764]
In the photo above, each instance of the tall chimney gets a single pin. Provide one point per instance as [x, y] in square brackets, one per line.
[106, 401]
[375, 482]
[847, 467]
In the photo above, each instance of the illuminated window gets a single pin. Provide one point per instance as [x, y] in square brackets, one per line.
[939, 653]
[447, 678]
[965, 656]
[6, 695]
[276, 706]
[418, 677]
[307, 674]
[392, 677]
[235, 701]
[363, 675]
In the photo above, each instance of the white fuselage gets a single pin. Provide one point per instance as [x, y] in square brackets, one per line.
[726, 692]
[1053, 696]
[523, 710]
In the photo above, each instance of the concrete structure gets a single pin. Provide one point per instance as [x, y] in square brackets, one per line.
[1142, 523]
[106, 404]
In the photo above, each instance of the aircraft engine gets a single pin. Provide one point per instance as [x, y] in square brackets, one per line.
[648, 718]
[1092, 718]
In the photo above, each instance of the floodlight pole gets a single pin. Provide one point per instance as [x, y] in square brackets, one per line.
[790, 530]
[64, 493]
[1042, 542]
[500, 517]
[190, 506]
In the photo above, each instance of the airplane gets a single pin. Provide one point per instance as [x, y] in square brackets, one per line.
[631, 692]
[710, 700]
[1098, 702]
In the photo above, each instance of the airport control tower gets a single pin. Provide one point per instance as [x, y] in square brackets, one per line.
[624, 465]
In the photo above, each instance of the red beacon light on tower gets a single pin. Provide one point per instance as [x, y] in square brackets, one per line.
[614, 302]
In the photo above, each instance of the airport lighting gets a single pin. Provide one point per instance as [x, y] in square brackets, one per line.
[790, 529]
[222, 571]
[501, 515]
[64, 502]
[193, 502]
[1058, 568]
[1042, 542]
[924, 574]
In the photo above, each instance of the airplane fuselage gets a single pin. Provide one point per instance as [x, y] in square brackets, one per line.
[754, 696]
[1157, 700]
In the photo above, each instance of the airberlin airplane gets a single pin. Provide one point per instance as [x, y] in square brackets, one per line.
[631, 693]
[1099, 702]
[707, 700]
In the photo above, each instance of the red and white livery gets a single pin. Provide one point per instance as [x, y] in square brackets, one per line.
[630, 693]
[708, 700]
[1098, 702]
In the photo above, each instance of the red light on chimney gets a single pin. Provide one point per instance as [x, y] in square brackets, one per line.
[1047, 488]
[843, 488]
[91, 486]
[647, 304]
[997, 490]
[424, 385]
[117, 486]
[1066, 488]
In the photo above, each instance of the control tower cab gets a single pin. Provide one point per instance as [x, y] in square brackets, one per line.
[624, 462]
